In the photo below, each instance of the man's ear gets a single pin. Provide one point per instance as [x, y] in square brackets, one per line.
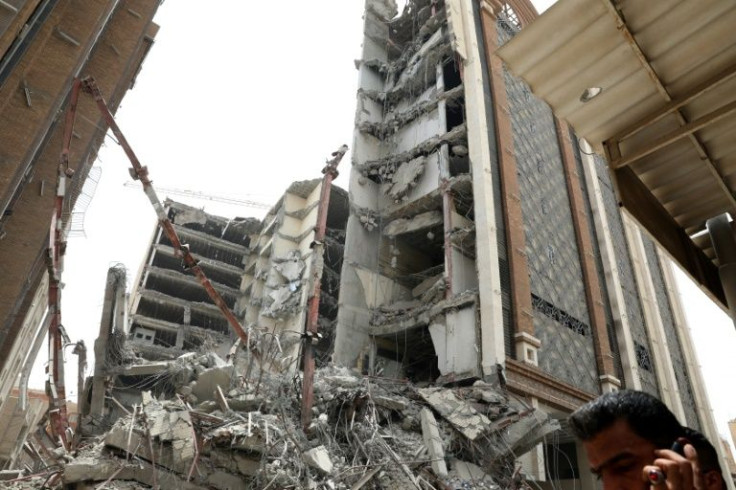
[712, 480]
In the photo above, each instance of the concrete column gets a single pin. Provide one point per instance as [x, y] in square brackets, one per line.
[112, 319]
[593, 295]
[533, 461]
[359, 281]
[527, 344]
[666, 380]
[610, 268]
[491, 313]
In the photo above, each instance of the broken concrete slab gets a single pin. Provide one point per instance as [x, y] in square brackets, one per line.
[458, 412]
[146, 369]
[98, 470]
[405, 178]
[208, 381]
[527, 432]
[236, 461]
[426, 285]
[469, 475]
[225, 481]
[407, 225]
[433, 442]
[319, 459]
[392, 403]
[487, 393]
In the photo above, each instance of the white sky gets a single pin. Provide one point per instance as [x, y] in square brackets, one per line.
[241, 99]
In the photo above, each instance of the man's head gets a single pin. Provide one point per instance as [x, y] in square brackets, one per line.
[647, 417]
[620, 432]
[710, 468]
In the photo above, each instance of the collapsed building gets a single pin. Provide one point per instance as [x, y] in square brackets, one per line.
[194, 408]
[478, 284]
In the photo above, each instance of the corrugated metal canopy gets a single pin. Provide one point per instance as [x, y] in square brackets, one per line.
[666, 115]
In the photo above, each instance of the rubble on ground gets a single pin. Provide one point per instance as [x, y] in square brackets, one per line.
[218, 430]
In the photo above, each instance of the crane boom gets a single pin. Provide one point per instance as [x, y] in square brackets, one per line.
[203, 195]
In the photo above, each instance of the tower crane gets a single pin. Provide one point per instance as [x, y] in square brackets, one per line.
[205, 196]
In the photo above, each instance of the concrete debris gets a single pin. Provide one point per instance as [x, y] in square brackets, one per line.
[385, 9]
[209, 380]
[433, 442]
[469, 475]
[318, 458]
[393, 121]
[403, 179]
[374, 168]
[190, 215]
[407, 225]
[434, 282]
[368, 219]
[460, 413]
[284, 301]
[235, 432]
[292, 267]
[418, 56]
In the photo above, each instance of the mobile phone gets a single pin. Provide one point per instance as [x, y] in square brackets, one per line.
[679, 446]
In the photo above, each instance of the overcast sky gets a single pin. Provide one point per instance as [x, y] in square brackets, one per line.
[240, 99]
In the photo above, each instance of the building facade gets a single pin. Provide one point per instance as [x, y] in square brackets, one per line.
[485, 239]
[44, 44]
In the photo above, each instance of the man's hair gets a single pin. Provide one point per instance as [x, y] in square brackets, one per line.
[707, 454]
[647, 417]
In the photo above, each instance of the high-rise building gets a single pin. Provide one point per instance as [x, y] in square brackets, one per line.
[485, 240]
[44, 44]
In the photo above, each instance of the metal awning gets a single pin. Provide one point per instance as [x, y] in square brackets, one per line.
[665, 116]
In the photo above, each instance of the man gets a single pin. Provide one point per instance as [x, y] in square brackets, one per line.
[628, 437]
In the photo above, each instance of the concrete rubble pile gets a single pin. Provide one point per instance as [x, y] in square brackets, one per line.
[219, 430]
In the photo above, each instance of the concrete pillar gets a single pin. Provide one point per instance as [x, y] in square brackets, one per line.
[533, 461]
[526, 343]
[492, 348]
[359, 283]
[610, 268]
[668, 388]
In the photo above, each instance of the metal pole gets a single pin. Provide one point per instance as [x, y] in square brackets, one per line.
[56, 389]
[311, 331]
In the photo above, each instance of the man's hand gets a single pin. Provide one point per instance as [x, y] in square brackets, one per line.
[674, 471]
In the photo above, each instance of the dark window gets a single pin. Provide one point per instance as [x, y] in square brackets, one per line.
[561, 461]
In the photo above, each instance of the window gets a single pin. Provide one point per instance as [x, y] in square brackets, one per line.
[561, 461]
